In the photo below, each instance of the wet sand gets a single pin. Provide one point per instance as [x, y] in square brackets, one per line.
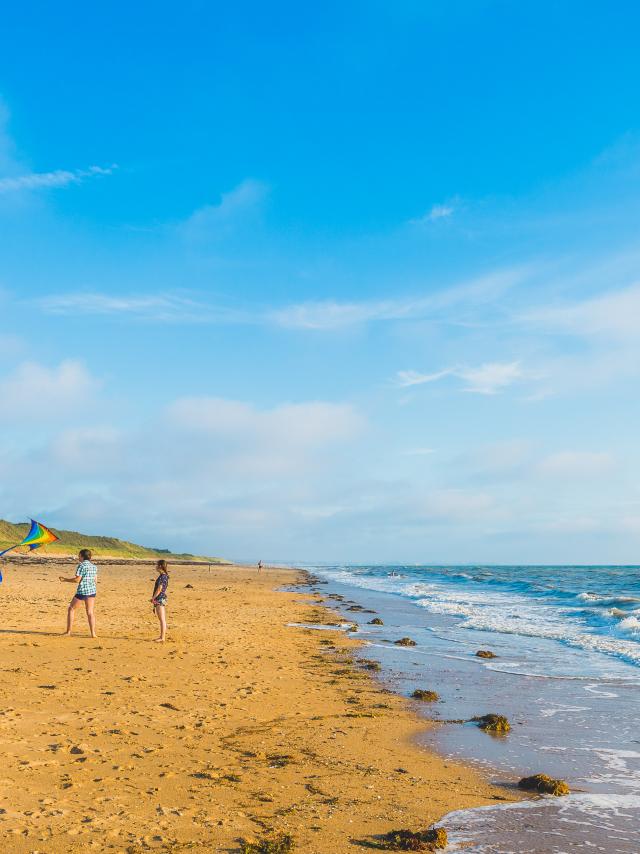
[238, 726]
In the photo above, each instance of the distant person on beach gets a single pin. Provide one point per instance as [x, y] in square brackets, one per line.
[259, 566]
[159, 599]
[86, 578]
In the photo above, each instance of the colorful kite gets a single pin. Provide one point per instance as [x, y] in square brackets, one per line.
[38, 536]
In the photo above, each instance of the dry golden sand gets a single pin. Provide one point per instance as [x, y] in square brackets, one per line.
[239, 724]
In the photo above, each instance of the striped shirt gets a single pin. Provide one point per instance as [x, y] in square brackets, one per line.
[88, 573]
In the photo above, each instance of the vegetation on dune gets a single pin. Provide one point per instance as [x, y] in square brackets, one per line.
[544, 784]
[71, 542]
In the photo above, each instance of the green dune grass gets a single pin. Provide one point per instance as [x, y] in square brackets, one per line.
[71, 541]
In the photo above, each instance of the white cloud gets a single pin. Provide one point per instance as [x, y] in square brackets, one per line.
[614, 315]
[87, 449]
[576, 464]
[406, 379]
[212, 468]
[167, 308]
[489, 378]
[437, 212]
[631, 524]
[35, 390]
[327, 315]
[296, 424]
[457, 505]
[324, 315]
[11, 345]
[49, 180]
[235, 207]
[331, 314]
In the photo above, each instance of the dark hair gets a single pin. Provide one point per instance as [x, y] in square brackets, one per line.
[85, 554]
[162, 565]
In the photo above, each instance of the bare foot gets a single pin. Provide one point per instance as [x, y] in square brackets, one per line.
[94, 636]
[66, 634]
[159, 640]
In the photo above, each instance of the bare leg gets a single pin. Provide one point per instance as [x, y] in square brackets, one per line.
[162, 617]
[89, 603]
[71, 611]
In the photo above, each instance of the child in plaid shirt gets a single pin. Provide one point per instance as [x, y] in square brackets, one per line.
[86, 578]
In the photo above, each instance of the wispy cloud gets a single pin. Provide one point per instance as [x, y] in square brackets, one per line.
[332, 314]
[435, 213]
[239, 205]
[405, 379]
[328, 314]
[615, 314]
[167, 308]
[325, 315]
[38, 391]
[576, 464]
[49, 180]
[491, 377]
[488, 378]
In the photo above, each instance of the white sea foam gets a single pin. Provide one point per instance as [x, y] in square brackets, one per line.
[629, 624]
[549, 822]
[512, 613]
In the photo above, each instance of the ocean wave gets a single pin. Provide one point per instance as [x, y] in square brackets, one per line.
[607, 601]
[601, 623]
[630, 624]
[550, 626]
[520, 825]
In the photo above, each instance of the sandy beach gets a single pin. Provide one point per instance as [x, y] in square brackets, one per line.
[238, 726]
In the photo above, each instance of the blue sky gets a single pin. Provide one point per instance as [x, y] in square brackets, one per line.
[348, 283]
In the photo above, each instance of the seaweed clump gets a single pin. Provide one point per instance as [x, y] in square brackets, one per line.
[407, 840]
[544, 784]
[282, 843]
[485, 653]
[376, 622]
[370, 664]
[425, 696]
[493, 723]
[405, 642]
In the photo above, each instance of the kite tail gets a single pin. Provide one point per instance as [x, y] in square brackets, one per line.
[2, 555]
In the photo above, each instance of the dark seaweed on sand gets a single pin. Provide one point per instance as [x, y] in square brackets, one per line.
[281, 843]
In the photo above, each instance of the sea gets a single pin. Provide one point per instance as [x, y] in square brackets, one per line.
[566, 675]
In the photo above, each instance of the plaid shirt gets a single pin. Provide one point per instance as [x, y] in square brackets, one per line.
[88, 573]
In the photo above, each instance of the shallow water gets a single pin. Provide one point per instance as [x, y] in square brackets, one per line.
[567, 677]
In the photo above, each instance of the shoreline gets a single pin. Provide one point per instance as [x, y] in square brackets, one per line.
[240, 725]
[561, 724]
